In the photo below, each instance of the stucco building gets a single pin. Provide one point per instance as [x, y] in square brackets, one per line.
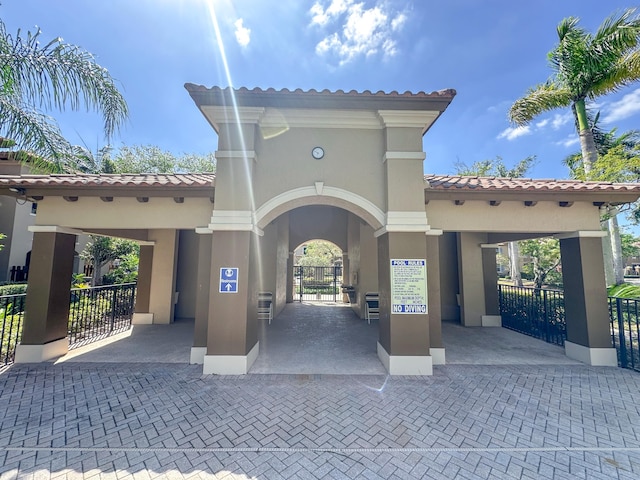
[299, 165]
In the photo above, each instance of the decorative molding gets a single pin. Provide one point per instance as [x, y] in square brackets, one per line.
[282, 119]
[233, 115]
[405, 364]
[142, 199]
[204, 231]
[408, 118]
[232, 154]
[403, 156]
[434, 232]
[319, 187]
[53, 229]
[41, 353]
[495, 203]
[234, 221]
[565, 204]
[70, 198]
[597, 357]
[437, 356]
[230, 364]
[404, 222]
[106, 199]
[581, 234]
[530, 203]
[490, 245]
[142, 319]
[266, 208]
[197, 355]
[491, 321]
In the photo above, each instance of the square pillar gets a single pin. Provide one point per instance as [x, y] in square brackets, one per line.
[141, 313]
[163, 281]
[232, 332]
[585, 297]
[492, 317]
[203, 286]
[46, 323]
[436, 347]
[404, 345]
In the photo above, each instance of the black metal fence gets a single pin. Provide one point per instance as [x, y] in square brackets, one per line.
[320, 284]
[97, 312]
[94, 313]
[11, 316]
[533, 311]
[540, 313]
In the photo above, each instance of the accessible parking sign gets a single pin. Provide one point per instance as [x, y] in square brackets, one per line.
[409, 286]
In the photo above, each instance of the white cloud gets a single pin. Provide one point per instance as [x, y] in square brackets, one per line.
[626, 107]
[570, 141]
[543, 123]
[360, 31]
[243, 34]
[511, 133]
[560, 119]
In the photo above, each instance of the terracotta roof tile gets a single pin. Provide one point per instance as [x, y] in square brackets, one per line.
[491, 184]
[144, 180]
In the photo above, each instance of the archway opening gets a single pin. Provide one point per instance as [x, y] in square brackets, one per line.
[318, 272]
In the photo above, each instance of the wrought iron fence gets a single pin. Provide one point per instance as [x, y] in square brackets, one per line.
[97, 312]
[625, 326]
[94, 313]
[534, 311]
[540, 313]
[321, 284]
[11, 316]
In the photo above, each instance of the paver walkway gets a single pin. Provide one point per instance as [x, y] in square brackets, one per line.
[167, 420]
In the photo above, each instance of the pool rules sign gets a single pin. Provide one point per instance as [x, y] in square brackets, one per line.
[408, 286]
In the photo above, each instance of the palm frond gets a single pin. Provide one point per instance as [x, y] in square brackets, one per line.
[37, 134]
[58, 75]
[542, 98]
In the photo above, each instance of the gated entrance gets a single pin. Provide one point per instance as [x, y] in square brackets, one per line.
[318, 284]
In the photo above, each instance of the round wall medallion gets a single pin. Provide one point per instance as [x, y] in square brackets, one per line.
[317, 153]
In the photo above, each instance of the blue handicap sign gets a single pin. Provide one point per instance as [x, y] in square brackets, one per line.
[228, 280]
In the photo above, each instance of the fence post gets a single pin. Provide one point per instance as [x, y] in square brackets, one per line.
[545, 316]
[623, 343]
[113, 308]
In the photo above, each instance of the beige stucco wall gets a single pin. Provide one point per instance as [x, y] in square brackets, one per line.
[352, 161]
[512, 216]
[163, 284]
[470, 273]
[124, 213]
[368, 277]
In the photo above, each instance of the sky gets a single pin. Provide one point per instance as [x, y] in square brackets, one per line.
[490, 51]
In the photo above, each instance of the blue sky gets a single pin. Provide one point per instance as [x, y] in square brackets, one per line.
[490, 51]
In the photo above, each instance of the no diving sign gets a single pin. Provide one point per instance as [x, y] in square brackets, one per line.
[228, 280]
[409, 286]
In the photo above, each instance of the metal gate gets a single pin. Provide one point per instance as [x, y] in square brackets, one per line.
[317, 284]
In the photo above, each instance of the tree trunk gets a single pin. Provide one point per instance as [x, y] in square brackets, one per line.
[616, 246]
[514, 263]
[587, 144]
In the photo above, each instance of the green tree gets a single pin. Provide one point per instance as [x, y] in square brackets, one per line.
[101, 250]
[543, 256]
[320, 253]
[585, 67]
[630, 245]
[55, 75]
[498, 168]
[152, 159]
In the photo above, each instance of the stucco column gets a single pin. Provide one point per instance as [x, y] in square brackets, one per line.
[203, 285]
[492, 317]
[232, 334]
[290, 278]
[404, 344]
[436, 347]
[46, 321]
[163, 281]
[585, 297]
[143, 289]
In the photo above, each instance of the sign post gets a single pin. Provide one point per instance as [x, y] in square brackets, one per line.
[409, 286]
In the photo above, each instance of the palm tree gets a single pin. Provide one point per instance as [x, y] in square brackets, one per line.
[54, 76]
[585, 67]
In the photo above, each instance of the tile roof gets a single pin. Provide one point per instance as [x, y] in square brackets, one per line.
[501, 184]
[144, 180]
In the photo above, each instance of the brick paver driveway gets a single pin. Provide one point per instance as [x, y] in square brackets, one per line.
[96, 420]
